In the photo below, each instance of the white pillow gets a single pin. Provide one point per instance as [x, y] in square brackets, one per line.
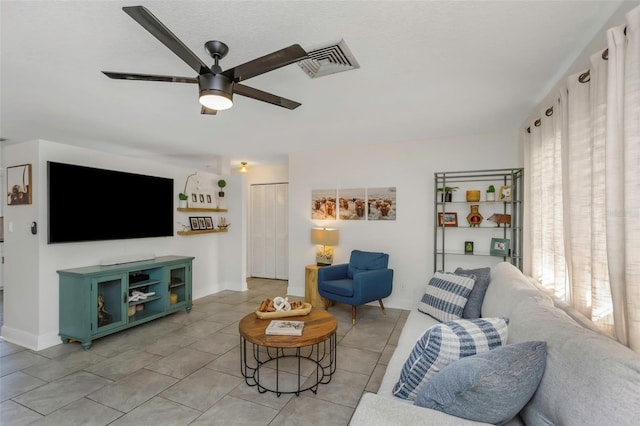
[446, 296]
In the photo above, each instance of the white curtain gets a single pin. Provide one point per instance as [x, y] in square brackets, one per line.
[584, 167]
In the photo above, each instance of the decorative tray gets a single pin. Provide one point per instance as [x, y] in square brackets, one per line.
[306, 308]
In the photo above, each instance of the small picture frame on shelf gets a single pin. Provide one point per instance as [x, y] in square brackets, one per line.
[209, 200]
[505, 193]
[193, 200]
[208, 222]
[447, 219]
[201, 223]
[468, 247]
[193, 221]
[499, 247]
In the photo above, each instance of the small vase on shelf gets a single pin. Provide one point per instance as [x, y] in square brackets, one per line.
[474, 217]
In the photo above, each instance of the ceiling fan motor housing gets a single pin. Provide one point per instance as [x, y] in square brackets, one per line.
[215, 85]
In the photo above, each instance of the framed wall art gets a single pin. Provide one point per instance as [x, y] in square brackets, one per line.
[19, 187]
[499, 247]
[352, 204]
[447, 219]
[193, 221]
[505, 193]
[208, 223]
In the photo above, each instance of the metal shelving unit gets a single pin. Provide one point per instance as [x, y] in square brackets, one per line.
[449, 241]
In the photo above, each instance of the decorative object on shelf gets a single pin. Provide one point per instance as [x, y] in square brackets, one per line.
[183, 196]
[221, 184]
[104, 317]
[491, 193]
[468, 247]
[208, 222]
[499, 247]
[447, 219]
[173, 299]
[474, 217]
[447, 192]
[473, 195]
[325, 238]
[222, 223]
[19, 187]
[501, 219]
[505, 193]
[243, 167]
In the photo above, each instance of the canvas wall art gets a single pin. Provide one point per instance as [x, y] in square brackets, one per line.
[323, 204]
[381, 203]
[352, 204]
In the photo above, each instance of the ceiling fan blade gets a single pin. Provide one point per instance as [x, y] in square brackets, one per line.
[149, 77]
[270, 62]
[250, 92]
[208, 111]
[145, 18]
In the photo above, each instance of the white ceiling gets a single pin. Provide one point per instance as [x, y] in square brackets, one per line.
[427, 69]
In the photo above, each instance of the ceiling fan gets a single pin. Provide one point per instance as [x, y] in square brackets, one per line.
[217, 87]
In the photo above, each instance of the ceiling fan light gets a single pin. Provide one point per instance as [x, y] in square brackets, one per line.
[218, 102]
[216, 91]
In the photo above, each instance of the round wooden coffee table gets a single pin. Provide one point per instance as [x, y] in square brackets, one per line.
[316, 345]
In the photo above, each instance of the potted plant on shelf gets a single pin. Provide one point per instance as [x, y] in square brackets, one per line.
[491, 193]
[221, 184]
[446, 192]
[182, 197]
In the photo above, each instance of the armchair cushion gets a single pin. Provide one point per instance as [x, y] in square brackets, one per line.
[341, 287]
[366, 261]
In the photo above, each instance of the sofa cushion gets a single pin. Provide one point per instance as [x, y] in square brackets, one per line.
[446, 295]
[444, 343]
[360, 261]
[490, 387]
[474, 304]
[589, 379]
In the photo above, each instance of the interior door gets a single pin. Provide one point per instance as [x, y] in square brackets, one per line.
[269, 231]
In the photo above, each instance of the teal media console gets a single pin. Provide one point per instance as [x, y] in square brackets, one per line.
[96, 301]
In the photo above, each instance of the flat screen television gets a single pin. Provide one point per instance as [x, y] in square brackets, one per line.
[91, 204]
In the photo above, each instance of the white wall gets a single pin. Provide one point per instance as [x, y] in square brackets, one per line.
[409, 167]
[30, 278]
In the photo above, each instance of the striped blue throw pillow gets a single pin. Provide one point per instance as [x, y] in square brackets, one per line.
[446, 296]
[443, 344]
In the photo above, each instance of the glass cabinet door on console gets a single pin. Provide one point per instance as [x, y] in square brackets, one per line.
[109, 311]
[179, 291]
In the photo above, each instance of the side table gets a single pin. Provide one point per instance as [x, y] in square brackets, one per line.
[317, 346]
[311, 294]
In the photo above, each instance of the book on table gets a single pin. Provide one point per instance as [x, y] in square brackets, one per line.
[285, 328]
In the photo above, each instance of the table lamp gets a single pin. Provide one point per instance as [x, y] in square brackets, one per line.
[325, 238]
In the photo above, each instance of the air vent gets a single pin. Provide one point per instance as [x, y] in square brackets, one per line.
[329, 60]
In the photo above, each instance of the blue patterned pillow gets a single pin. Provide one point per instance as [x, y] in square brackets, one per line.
[444, 343]
[490, 387]
[446, 295]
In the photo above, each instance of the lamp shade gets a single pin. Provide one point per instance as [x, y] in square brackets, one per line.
[324, 236]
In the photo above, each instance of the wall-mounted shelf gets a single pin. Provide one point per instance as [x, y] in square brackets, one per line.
[204, 231]
[198, 209]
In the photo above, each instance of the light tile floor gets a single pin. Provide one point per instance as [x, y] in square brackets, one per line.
[184, 369]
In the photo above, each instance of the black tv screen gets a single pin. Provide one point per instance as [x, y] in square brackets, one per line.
[91, 204]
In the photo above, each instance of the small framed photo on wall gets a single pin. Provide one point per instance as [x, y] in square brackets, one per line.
[19, 187]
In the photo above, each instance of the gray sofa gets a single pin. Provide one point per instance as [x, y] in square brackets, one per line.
[589, 379]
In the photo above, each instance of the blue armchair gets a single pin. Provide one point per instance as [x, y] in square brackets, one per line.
[364, 279]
